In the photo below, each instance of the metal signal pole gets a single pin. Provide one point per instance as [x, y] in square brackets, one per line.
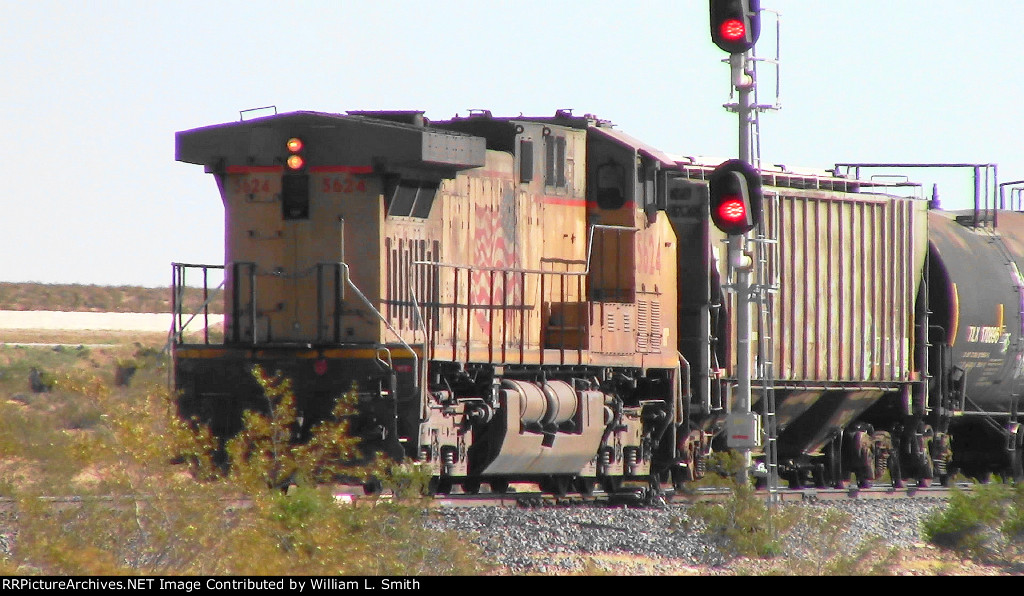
[742, 265]
[736, 209]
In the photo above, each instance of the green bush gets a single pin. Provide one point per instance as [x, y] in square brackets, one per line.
[986, 523]
[744, 525]
[139, 513]
[804, 540]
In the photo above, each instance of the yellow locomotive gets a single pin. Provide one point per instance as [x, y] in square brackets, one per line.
[542, 299]
[498, 291]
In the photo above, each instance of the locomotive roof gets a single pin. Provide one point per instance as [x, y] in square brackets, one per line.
[358, 138]
[699, 168]
[462, 137]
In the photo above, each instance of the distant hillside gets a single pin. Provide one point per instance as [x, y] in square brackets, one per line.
[88, 298]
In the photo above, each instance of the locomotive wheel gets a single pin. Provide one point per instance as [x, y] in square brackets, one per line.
[680, 476]
[795, 478]
[440, 486]
[927, 470]
[866, 471]
[818, 475]
[557, 485]
[1017, 458]
[585, 486]
[919, 446]
[834, 463]
[471, 486]
[372, 487]
[499, 486]
[611, 484]
[895, 469]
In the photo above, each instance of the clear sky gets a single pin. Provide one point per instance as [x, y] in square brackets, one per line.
[93, 92]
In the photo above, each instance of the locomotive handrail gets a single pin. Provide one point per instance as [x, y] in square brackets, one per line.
[366, 301]
[204, 307]
[586, 271]
[177, 329]
[521, 271]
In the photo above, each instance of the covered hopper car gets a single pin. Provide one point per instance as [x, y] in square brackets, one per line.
[544, 300]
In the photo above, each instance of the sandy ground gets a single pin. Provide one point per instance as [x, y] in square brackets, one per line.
[94, 321]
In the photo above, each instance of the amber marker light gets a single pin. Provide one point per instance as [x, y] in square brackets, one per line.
[294, 144]
[295, 162]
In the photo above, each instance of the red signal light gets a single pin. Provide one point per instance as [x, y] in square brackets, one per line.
[296, 162]
[734, 195]
[732, 210]
[294, 144]
[735, 24]
[733, 29]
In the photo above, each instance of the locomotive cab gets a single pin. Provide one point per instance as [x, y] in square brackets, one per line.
[306, 197]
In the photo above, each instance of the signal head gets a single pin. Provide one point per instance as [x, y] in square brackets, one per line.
[735, 24]
[735, 197]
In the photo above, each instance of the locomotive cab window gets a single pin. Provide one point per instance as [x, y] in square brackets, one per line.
[648, 186]
[554, 162]
[525, 161]
[410, 198]
[611, 185]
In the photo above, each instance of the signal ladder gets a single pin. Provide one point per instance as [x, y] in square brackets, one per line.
[766, 255]
[766, 247]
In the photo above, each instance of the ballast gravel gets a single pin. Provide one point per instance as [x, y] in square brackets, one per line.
[549, 540]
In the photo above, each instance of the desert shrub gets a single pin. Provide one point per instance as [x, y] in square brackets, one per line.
[148, 515]
[408, 481]
[743, 525]
[824, 545]
[267, 453]
[986, 523]
[804, 540]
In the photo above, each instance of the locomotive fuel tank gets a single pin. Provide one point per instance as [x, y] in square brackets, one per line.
[976, 300]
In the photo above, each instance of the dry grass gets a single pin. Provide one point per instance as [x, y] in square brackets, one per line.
[91, 438]
[59, 336]
[93, 298]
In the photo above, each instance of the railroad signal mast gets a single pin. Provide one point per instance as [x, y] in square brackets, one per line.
[735, 204]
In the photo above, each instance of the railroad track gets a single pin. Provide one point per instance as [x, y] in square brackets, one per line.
[644, 497]
[638, 497]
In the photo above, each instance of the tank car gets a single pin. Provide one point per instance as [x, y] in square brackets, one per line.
[976, 330]
[542, 300]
